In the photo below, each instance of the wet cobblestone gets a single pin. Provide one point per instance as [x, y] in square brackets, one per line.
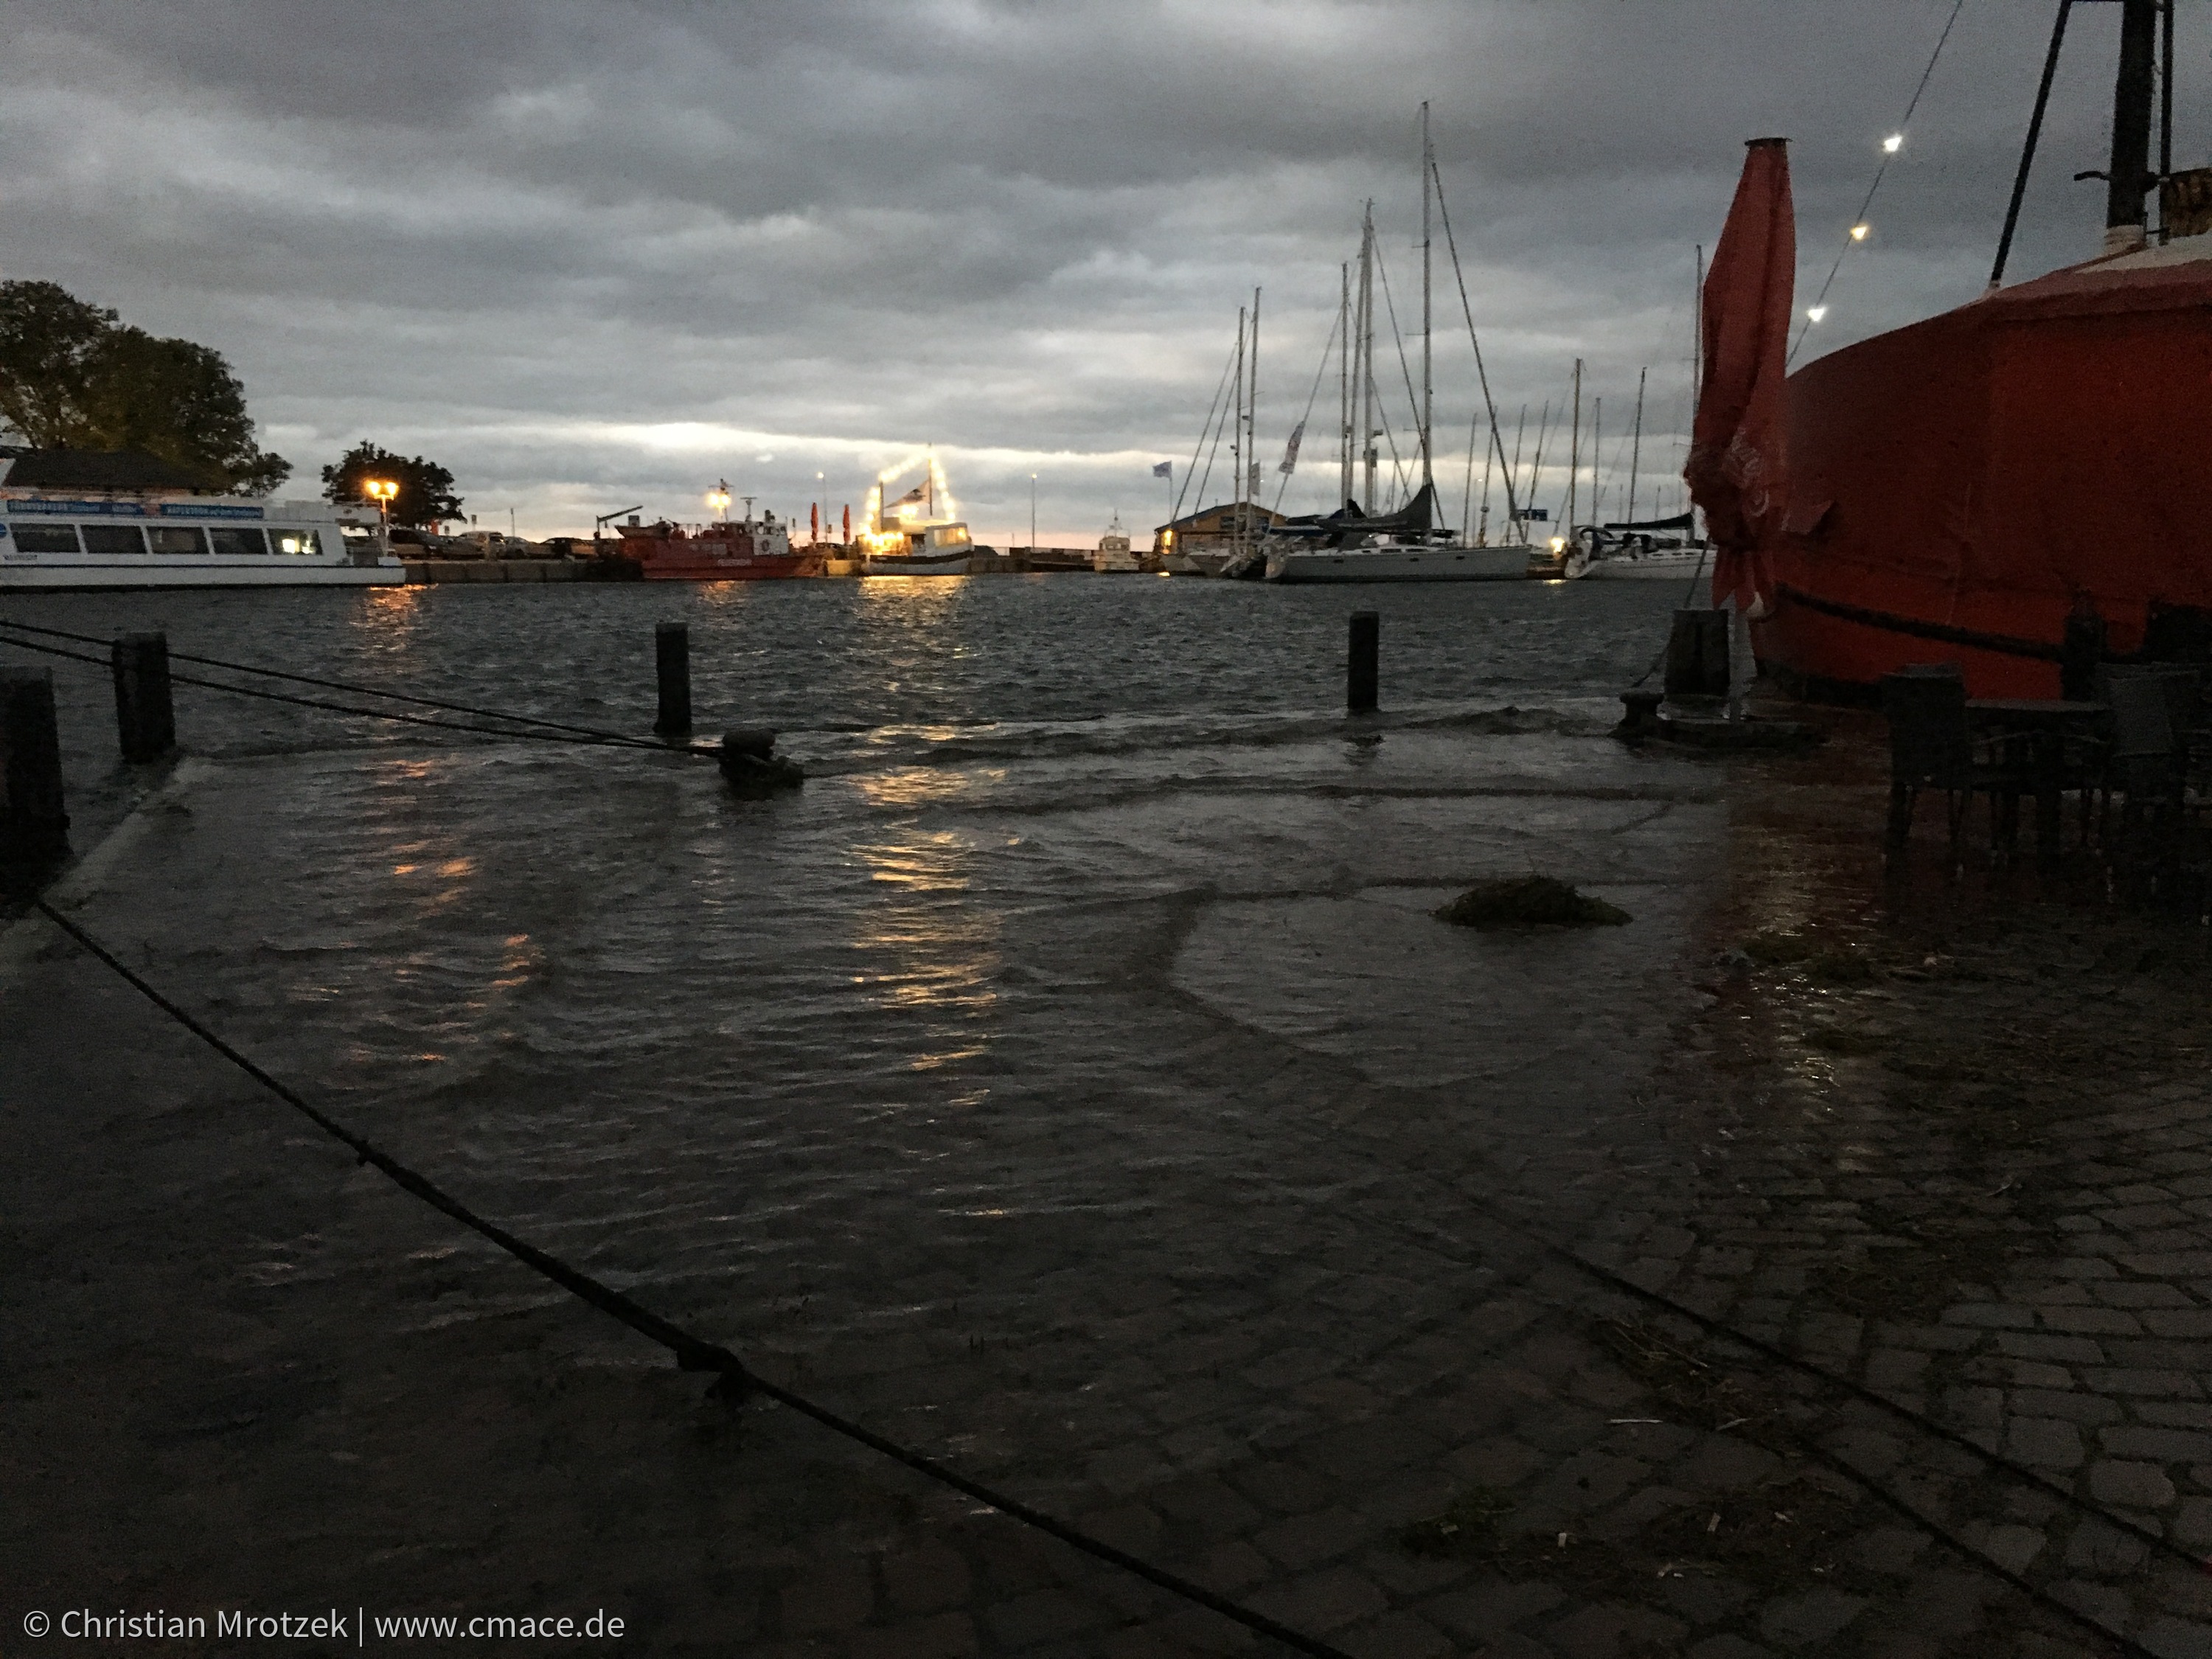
[1376, 1408]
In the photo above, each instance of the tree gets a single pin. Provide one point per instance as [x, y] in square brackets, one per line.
[72, 375]
[426, 489]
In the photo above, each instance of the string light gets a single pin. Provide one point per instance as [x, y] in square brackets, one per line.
[1890, 147]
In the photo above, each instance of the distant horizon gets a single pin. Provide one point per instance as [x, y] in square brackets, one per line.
[587, 252]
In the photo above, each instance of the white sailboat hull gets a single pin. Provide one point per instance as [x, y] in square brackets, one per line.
[1650, 566]
[1448, 562]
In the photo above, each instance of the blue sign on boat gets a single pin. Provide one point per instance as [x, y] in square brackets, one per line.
[61, 509]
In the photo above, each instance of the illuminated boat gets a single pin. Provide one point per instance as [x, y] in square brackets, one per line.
[2030, 468]
[917, 535]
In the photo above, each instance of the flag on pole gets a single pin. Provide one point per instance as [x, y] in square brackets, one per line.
[1290, 450]
[1165, 470]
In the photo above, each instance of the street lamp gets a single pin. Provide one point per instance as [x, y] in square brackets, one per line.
[1032, 512]
[383, 492]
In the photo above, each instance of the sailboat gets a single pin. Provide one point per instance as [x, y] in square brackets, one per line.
[1356, 544]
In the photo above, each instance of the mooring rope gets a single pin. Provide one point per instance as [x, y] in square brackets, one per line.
[347, 686]
[521, 729]
[692, 1353]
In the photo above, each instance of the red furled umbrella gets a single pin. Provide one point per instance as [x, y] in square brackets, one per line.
[1738, 470]
[814, 521]
[848, 524]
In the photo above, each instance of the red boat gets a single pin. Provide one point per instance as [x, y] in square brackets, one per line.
[748, 549]
[2015, 486]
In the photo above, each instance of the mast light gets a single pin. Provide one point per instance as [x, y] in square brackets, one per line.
[1893, 143]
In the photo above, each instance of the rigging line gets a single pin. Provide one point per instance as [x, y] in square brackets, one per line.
[1310, 397]
[692, 1352]
[1221, 425]
[609, 741]
[340, 685]
[1219, 386]
[1481, 374]
[1399, 340]
[1806, 326]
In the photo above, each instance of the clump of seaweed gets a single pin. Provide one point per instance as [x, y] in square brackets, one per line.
[1530, 902]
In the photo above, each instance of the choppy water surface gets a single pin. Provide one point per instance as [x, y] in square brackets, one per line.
[1093, 901]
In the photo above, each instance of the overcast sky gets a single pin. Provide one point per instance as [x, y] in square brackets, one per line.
[593, 252]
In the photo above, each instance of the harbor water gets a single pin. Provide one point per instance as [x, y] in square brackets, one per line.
[1096, 936]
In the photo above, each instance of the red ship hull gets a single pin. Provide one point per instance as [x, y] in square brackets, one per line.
[1959, 485]
[719, 553]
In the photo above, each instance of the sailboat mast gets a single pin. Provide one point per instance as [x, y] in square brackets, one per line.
[1365, 391]
[1636, 445]
[1482, 525]
[1236, 437]
[1252, 425]
[1344, 386]
[1697, 354]
[1597, 460]
[1428, 472]
[1575, 449]
[1520, 432]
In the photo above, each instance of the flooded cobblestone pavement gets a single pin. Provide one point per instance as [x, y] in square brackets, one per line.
[1126, 1133]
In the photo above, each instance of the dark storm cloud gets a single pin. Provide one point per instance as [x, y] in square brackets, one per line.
[577, 246]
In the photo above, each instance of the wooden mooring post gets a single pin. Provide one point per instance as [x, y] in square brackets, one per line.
[34, 825]
[1362, 663]
[671, 661]
[145, 719]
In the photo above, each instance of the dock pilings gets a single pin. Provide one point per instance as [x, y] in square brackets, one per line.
[145, 716]
[671, 662]
[1362, 663]
[33, 822]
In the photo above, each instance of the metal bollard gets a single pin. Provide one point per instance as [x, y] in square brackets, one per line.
[34, 825]
[671, 661]
[145, 719]
[1686, 669]
[1362, 671]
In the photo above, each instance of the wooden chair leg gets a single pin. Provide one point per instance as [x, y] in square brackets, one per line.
[1901, 797]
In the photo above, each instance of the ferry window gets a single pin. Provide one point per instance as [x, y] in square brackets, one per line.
[176, 538]
[231, 542]
[46, 537]
[293, 541]
[114, 538]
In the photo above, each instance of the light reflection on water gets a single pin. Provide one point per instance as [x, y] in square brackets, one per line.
[1065, 839]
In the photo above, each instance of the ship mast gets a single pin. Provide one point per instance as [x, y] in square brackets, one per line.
[1344, 384]
[1636, 445]
[1575, 448]
[1252, 427]
[1365, 390]
[1428, 473]
[1237, 441]
[2128, 179]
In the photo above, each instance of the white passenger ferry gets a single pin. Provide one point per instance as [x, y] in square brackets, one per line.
[59, 528]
